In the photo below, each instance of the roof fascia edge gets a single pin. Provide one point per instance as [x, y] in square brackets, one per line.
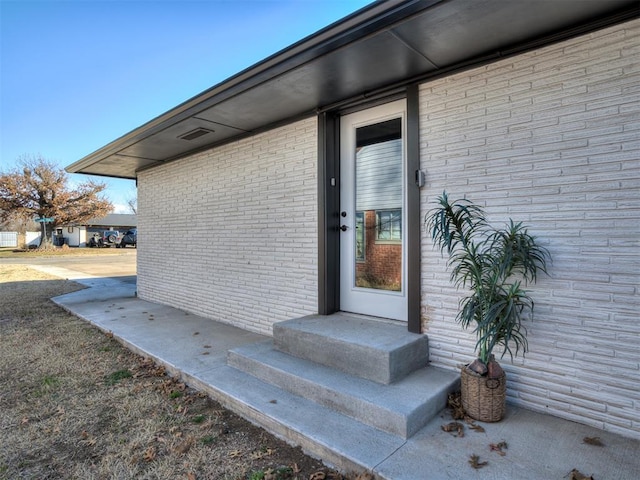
[235, 138]
[353, 24]
[624, 15]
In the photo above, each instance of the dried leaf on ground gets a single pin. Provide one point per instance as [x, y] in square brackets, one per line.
[260, 454]
[595, 441]
[234, 454]
[364, 476]
[575, 474]
[454, 427]
[149, 454]
[499, 448]
[476, 428]
[318, 476]
[454, 403]
[336, 476]
[475, 462]
[183, 447]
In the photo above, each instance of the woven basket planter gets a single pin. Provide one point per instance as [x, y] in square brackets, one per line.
[483, 398]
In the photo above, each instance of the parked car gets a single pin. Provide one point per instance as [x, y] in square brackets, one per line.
[106, 238]
[129, 238]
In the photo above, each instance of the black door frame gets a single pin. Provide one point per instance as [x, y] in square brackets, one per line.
[329, 210]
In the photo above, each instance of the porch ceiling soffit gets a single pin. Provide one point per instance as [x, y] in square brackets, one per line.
[379, 46]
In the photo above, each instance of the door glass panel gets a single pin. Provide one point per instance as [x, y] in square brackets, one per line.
[378, 242]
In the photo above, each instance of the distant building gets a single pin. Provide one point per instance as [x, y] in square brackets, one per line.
[77, 235]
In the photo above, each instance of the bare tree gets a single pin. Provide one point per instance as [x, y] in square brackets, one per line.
[19, 225]
[132, 203]
[38, 189]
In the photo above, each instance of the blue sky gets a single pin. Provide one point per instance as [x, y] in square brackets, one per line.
[75, 75]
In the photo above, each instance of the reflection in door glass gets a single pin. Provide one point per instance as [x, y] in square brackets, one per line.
[378, 242]
[360, 237]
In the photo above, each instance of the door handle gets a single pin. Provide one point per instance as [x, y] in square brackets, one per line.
[344, 228]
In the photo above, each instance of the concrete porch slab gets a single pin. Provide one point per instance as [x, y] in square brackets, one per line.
[539, 446]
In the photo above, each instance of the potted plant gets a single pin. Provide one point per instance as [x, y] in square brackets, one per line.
[493, 265]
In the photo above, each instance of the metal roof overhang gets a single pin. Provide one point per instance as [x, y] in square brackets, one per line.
[383, 46]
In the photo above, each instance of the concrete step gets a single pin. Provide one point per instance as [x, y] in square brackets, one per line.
[401, 408]
[381, 351]
[321, 432]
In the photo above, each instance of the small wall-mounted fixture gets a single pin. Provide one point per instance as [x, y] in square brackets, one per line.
[420, 178]
[193, 134]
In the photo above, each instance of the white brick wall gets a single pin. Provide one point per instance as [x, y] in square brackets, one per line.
[231, 233]
[551, 138]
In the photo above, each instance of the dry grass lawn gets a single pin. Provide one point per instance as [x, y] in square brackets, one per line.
[74, 403]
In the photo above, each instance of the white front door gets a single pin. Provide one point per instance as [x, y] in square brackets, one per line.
[372, 209]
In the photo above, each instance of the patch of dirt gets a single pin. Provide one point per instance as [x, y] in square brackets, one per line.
[74, 403]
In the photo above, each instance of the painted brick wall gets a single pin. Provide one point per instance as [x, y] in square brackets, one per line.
[551, 138]
[231, 233]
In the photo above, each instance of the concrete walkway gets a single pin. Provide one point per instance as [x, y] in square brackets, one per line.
[539, 446]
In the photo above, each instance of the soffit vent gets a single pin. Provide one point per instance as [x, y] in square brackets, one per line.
[193, 134]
